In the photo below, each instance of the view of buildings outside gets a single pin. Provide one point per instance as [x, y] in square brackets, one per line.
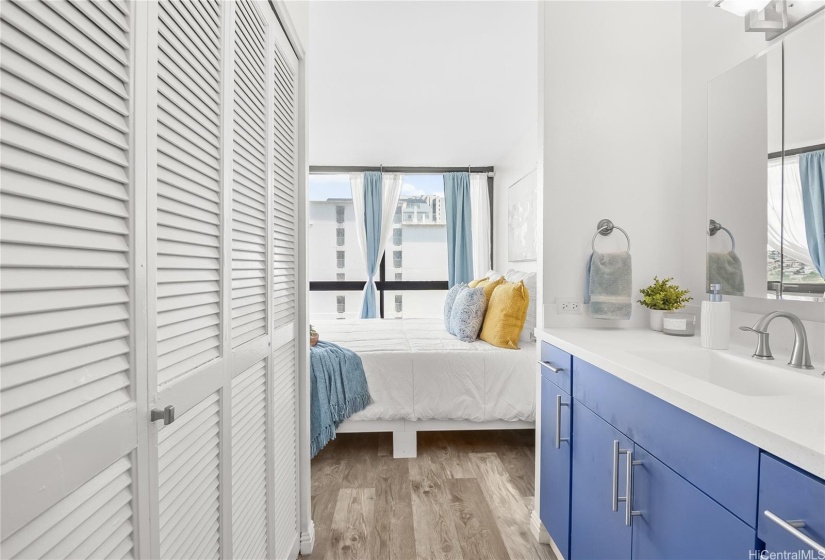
[416, 249]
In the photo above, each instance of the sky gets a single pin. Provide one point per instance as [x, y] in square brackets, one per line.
[322, 187]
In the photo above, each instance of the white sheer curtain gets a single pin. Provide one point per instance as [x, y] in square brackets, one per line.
[480, 208]
[390, 191]
[796, 241]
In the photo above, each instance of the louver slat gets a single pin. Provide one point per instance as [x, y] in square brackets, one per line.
[284, 207]
[189, 163]
[249, 480]
[64, 225]
[189, 483]
[249, 207]
[285, 466]
[93, 521]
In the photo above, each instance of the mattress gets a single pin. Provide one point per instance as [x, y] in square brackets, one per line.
[416, 370]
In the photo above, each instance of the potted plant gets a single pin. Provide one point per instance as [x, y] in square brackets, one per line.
[660, 297]
[313, 336]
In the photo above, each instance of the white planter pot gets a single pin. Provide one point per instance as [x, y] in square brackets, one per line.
[656, 318]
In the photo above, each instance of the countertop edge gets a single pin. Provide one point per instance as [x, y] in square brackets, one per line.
[777, 444]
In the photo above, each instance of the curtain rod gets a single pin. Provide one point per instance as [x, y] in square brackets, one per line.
[330, 169]
[797, 151]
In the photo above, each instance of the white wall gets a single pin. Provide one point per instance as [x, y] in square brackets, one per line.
[517, 163]
[611, 126]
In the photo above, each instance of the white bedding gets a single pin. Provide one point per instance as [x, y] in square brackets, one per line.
[416, 370]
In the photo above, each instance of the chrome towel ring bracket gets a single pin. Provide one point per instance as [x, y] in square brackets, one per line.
[606, 227]
[713, 229]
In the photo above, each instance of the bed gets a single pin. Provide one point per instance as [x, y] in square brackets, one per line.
[421, 378]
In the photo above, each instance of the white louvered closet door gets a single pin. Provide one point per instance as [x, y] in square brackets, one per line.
[68, 391]
[284, 306]
[188, 352]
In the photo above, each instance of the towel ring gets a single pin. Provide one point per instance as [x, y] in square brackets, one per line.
[606, 227]
[713, 229]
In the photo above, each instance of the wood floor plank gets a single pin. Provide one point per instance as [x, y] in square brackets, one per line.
[394, 526]
[327, 475]
[478, 533]
[512, 516]
[352, 525]
[449, 452]
[435, 533]
[520, 465]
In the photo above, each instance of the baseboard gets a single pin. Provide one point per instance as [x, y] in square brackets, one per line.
[541, 534]
[308, 539]
[537, 529]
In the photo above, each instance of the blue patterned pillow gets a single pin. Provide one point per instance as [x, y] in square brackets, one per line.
[468, 314]
[448, 304]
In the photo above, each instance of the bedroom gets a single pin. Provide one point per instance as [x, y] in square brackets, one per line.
[193, 193]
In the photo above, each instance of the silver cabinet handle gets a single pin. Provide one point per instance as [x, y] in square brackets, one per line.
[559, 404]
[167, 415]
[793, 527]
[628, 497]
[551, 367]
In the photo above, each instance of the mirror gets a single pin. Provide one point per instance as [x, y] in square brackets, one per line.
[766, 165]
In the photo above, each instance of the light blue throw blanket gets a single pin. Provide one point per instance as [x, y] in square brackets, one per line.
[338, 389]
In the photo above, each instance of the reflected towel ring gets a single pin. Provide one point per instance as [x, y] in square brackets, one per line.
[606, 227]
[713, 229]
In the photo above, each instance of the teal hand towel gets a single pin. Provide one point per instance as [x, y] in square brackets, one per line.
[609, 289]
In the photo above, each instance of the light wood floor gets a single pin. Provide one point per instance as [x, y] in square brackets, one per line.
[467, 496]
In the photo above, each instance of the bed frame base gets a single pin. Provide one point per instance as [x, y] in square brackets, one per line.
[404, 432]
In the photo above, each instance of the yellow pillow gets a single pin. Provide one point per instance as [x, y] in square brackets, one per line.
[475, 283]
[489, 287]
[506, 312]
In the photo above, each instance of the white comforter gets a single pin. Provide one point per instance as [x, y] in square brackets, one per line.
[418, 371]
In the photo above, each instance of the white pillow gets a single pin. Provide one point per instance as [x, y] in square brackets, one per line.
[530, 282]
[492, 275]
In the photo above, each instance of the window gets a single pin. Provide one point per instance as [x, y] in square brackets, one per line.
[341, 302]
[419, 227]
[399, 303]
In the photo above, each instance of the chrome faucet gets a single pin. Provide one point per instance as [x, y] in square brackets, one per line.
[800, 357]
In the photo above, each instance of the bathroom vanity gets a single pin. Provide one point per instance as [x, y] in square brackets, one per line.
[653, 447]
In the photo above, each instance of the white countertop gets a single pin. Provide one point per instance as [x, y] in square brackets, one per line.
[789, 426]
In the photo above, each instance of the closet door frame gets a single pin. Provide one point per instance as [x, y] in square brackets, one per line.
[306, 525]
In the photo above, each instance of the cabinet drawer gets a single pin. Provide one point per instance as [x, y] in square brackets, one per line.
[790, 495]
[561, 360]
[718, 463]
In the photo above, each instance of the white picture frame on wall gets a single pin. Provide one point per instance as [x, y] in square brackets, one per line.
[521, 219]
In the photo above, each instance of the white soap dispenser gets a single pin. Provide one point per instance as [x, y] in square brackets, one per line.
[716, 320]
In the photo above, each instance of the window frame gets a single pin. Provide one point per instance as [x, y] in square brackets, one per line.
[382, 284]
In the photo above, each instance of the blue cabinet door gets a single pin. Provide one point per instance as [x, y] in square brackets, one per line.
[676, 520]
[554, 487]
[791, 510]
[596, 530]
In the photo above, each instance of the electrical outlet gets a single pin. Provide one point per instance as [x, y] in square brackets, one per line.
[568, 306]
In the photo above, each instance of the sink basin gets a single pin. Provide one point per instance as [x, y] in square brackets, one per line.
[745, 376]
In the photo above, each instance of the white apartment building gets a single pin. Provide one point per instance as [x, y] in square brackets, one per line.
[416, 250]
